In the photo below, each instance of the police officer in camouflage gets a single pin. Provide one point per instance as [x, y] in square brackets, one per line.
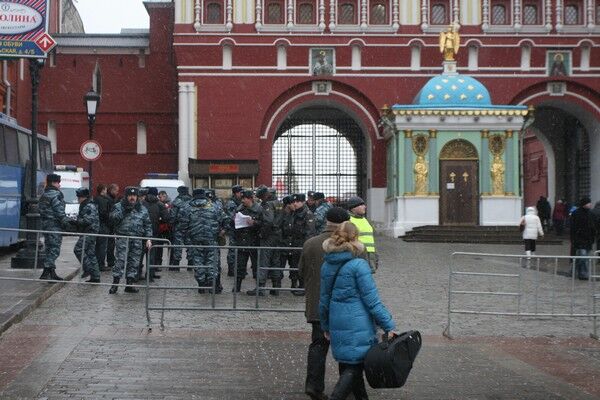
[230, 209]
[88, 221]
[179, 237]
[298, 224]
[321, 211]
[53, 218]
[212, 196]
[129, 218]
[202, 222]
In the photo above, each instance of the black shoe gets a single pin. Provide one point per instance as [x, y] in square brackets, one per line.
[201, 291]
[54, 276]
[219, 290]
[298, 292]
[129, 289]
[315, 395]
[156, 276]
[189, 269]
[230, 273]
[252, 292]
[294, 284]
[174, 269]
[85, 274]
[273, 292]
[93, 280]
[113, 289]
[238, 287]
[45, 275]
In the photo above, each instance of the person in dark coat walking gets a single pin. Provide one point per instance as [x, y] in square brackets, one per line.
[596, 215]
[104, 204]
[583, 235]
[113, 194]
[309, 269]
[544, 211]
[559, 216]
[158, 214]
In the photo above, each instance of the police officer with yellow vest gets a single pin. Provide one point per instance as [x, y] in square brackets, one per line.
[358, 216]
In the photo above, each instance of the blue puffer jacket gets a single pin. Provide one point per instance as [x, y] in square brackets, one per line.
[353, 309]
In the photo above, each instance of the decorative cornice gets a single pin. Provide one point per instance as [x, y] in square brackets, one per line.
[496, 112]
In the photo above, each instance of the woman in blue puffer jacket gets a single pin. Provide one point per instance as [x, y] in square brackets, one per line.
[350, 309]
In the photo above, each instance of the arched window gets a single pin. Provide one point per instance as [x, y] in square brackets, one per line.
[378, 14]
[531, 14]
[440, 13]
[306, 13]
[347, 13]
[274, 12]
[214, 13]
[499, 14]
[573, 14]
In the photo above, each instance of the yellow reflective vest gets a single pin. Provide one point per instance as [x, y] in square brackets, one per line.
[365, 232]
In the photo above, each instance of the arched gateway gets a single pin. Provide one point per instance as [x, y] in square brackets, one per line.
[320, 149]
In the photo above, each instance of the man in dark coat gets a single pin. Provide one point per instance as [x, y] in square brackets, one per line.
[596, 215]
[309, 268]
[113, 194]
[583, 235]
[544, 212]
[104, 204]
[158, 214]
[247, 236]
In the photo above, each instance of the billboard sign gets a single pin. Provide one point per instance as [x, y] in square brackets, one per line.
[23, 29]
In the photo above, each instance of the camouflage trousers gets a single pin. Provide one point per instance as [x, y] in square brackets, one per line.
[52, 243]
[179, 238]
[90, 263]
[231, 256]
[128, 257]
[204, 261]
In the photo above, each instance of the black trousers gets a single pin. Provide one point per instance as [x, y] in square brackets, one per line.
[317, 356]
[350, 381]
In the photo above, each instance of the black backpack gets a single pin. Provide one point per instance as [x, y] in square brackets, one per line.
[388, 363]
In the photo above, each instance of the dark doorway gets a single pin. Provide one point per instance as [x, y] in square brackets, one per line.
[459, 188]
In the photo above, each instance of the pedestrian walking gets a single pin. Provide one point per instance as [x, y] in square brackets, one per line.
[164, 228]
[113, 194]
[158, 214]
[129, 218]
[532, 228]
[230, 209]
[298, 224]
[350, 309]
[559, 217]
[247, 235]
[53, 218]
[88, 221]
[583, 235]
[309, 269]
[179, 235]
[323, 206]
[358, 216]
[104, 205]
[544, 212]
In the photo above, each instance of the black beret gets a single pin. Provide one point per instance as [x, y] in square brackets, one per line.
[153, 190]
[337, 215]
[249, 194]
[183, 190]
[355, 202]
[287, 200]
[236, 189]
[50, 178]
[82, 192]
[318, 195]
[298, 197]
[132, 190]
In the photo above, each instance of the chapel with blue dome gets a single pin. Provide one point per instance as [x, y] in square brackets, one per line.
[452, 155]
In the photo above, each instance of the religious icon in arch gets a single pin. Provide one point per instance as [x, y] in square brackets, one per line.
[322, 61]
[558, 63]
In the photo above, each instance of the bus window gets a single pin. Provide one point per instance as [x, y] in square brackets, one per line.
[49, 164]
[10, 144]
[23, 148]
[45, 155]
[2, 151]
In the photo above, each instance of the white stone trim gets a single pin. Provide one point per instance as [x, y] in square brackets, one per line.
[500, 210]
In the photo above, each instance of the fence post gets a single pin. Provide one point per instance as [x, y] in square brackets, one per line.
[448, 332]
[148, 266]
[258, 268]
[37, 249]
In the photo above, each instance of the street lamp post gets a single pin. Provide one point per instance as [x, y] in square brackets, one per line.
[91, 101]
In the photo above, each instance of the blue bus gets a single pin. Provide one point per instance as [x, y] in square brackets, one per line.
[15, 157]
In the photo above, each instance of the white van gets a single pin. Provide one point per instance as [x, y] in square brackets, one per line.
[71, 179]
[167, 182]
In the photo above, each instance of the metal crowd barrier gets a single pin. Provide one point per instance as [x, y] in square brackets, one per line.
[513, 273]
[39, 232]
[212, 288]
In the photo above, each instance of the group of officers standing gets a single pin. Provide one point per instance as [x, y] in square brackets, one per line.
[259, 226]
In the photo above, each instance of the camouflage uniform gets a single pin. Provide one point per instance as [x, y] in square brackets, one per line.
[202, 221]
[129, 220]
[230, 209]
[296, 227]
[53, 218]
[88, 221]
[179, 236]
[321, 216]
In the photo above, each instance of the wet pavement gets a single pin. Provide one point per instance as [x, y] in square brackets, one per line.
[83, 343]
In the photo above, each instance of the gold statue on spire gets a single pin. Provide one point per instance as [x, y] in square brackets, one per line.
[450, 42]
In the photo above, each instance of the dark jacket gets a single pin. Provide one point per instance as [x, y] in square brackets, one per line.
[249, 236]
[297, 226]
[105, 205]
[596, 216]
[87, 219]
[157, 212]
[309, 269]
[270, 228]
[583, 231]
[543, 207]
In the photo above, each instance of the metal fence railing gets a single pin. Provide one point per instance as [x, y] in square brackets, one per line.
[522, 286]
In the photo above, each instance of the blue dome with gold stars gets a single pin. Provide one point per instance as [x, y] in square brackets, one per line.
[453, 91]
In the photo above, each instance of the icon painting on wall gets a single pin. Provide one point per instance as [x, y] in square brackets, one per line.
[322, 61]
[558, 63]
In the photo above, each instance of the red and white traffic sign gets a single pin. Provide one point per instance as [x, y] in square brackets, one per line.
[91, 150]
[45, 42]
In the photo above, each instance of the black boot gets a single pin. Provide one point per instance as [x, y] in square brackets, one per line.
[201, 290]
[252, 292]
[218, 286]
[276, 284]
[113, 289]
[129, 289]
[294, 284]
[238, 286]
[45, 274]
[93, 280]
[55, 277]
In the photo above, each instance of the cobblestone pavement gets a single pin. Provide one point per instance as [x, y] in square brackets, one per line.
[83, 343]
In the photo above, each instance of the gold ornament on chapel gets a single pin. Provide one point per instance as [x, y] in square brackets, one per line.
[450, 42]
[497, 145]
[420, 145]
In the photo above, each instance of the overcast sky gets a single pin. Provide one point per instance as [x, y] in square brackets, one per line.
[109, 16]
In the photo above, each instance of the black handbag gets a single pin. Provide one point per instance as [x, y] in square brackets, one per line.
[388, 363]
